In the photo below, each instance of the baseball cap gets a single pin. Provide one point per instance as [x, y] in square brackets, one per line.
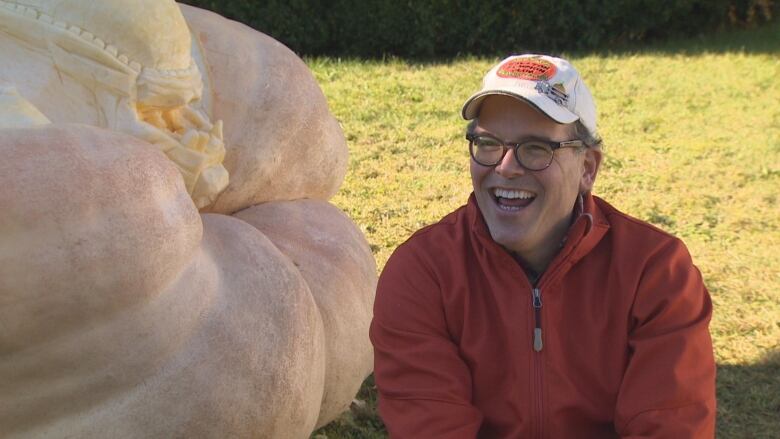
[550, 84]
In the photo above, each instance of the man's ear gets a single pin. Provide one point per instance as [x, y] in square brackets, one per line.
[590, 169]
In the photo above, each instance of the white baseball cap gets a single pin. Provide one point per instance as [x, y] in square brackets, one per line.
[550, 84]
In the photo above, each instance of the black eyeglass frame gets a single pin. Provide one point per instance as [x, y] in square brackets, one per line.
[553, 146]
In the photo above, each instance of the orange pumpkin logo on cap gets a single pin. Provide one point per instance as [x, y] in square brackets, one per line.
[532, 69]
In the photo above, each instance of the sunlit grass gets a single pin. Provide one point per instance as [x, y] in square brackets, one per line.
[692, 134]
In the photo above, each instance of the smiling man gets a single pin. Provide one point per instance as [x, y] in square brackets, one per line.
[537, 310]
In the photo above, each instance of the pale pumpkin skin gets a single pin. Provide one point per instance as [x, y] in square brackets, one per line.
[330, 254]
[282, 142]
[126, 313]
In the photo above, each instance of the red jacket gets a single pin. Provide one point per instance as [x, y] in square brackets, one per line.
[620, 315]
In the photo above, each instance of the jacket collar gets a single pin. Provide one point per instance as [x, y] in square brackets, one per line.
[589, 225]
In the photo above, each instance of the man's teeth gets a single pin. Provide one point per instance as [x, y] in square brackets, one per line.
[506, 193]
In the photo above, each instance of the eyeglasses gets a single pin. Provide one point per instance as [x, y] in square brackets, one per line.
[532, 154]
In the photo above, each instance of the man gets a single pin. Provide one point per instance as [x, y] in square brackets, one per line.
[538, 310]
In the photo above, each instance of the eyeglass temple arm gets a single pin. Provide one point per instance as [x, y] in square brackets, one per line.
[569, 143]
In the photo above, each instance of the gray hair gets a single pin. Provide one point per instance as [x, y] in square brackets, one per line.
[591, 140]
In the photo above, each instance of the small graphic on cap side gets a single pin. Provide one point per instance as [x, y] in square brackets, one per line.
[556, 93]
[532, 69]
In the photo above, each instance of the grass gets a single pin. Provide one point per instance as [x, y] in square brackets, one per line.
[692, 135]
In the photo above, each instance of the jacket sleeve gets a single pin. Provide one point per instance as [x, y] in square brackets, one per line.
[424, 385]
[668, 390]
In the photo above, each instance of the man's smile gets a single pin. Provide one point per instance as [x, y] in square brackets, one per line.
[511, 200]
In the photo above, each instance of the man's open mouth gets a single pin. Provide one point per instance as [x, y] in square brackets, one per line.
[512, 200]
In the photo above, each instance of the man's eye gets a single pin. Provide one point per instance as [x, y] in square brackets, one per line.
[487, 144]
[534, 150]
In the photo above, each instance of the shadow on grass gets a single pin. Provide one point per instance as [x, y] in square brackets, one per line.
[760, 40]
[361, 421]
[764, 39]
[749, 399]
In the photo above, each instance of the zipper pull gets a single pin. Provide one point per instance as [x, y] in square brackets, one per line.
[538, 339]
[537, 303]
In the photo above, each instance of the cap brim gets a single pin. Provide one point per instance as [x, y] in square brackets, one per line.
[540, 102]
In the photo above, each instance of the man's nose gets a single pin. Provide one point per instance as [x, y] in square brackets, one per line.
[509, 167]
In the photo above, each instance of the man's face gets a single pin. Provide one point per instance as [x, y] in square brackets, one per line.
[532, 226]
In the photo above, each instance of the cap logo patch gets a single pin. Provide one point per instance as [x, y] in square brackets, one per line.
[532, 69]
[556, 93]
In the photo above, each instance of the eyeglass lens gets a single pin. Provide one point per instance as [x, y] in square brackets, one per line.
[531, 155]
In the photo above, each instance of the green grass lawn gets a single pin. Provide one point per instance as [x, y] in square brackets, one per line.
[692, 140]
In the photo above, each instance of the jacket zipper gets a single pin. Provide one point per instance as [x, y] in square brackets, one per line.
[537, 303]
[538, 345]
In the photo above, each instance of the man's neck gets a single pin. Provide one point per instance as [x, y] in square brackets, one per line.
[538, 259]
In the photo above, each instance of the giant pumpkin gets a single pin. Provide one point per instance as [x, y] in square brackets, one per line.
[169, 263]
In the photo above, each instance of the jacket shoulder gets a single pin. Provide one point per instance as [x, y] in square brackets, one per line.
[425, 249]
[635, 230]
[442, 232]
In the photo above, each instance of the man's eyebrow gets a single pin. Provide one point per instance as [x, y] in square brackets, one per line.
[515, 141]
[475, 130]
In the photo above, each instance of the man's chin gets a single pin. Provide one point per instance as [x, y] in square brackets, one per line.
[508, 239]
